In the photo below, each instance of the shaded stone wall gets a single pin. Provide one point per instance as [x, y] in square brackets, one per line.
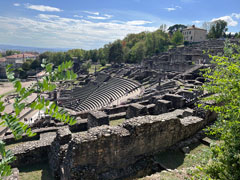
[111, 152]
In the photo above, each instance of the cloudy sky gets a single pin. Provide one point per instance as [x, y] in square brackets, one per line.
[90, 24]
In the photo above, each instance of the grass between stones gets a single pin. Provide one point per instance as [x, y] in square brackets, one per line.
[181, 166]
[99, 67]
[117, 122]
[39, 171]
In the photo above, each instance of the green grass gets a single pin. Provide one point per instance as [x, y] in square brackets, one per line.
[180, 163]
[177, 159]
[117, 122]
[99, 67]
[39, 171]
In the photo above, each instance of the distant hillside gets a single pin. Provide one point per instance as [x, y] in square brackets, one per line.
[35, 49]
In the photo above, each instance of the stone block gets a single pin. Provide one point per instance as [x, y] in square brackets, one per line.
[151, 108]
[177, 100]
[135, 110]
[97, 118]
[80, 125]
[191, 124]
[162, 106]
[186, 94]
[64, 135]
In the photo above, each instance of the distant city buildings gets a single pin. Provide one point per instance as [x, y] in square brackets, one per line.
[16, 60]
[194, 34]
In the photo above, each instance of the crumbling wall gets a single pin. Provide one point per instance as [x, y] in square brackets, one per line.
[111, 152]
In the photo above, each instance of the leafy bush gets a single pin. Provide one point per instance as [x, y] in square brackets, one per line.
[224, 83]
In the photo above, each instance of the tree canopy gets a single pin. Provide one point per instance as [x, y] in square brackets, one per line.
[217, 29]
[175, 28]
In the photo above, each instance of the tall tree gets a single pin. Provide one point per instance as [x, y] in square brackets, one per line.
[116, 52]
[175, 28]
[218, 29]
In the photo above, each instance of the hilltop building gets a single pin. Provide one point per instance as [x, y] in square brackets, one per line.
[194, 34]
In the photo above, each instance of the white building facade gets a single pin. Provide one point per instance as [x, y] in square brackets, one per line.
[194, 34]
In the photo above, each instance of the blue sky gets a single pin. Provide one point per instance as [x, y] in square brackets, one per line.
[90, 24]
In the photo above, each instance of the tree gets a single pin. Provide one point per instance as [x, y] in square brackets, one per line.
[86, 66]
[177, 38]
[26, 66]
[116, 52]
[218, 29]
[223, 83]
[138, 52]
[35, 64]
[175, 28]
[11, 120]
[12, 52]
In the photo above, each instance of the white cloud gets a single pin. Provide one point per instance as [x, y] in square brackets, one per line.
[178, 7]
[42, 8]
[47, 16]
[106, 16]
[173, 8]
[236, 15]
[197, 22]
[138, 22]
[92, 13]
[17, 4]
[77, 16]
[55, 31]
[170, 9]
[97, 17]
[228, 19]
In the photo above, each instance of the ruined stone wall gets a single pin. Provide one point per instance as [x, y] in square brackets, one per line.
[112, 152]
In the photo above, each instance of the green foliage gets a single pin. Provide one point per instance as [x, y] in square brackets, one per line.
[177, 38]
[103, 62]
[224, 83]
[217, 29]
[86, 66]
[47, 84]
[116, 52]
[12, 52]
[7, 157]
[132, 49]
[175, 28]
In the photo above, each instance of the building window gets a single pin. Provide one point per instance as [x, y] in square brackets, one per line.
[189, 32]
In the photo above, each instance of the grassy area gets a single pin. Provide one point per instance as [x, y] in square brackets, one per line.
[39, 171]
[99, 67]
[176, 159]
[183, 166]
[117, 122]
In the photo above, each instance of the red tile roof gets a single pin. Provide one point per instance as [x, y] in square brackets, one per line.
[15, 56]
[2, 59]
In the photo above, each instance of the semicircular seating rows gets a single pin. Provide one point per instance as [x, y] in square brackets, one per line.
[98, 94]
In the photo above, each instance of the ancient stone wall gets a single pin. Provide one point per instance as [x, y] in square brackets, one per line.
[112, 152]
